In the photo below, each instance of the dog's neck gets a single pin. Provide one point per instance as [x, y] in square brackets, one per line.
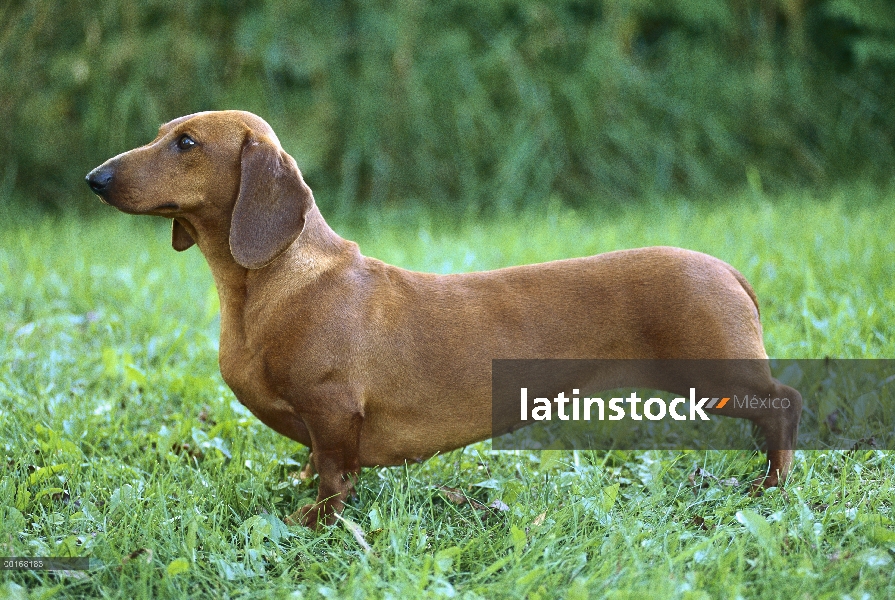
[314, 251]
[317, 249]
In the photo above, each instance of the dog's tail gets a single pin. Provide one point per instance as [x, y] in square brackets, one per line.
[746, 286]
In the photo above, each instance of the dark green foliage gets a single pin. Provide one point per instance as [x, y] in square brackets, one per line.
[483, 103]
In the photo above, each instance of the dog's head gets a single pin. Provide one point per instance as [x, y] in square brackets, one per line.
[223, 169]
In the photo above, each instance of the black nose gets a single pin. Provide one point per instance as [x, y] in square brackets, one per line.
[99, 180]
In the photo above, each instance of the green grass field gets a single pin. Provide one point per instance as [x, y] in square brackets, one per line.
[121, 442]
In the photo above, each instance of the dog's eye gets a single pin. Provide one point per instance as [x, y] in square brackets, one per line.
[185, 142]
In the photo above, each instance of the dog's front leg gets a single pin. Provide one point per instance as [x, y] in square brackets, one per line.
[335, 440]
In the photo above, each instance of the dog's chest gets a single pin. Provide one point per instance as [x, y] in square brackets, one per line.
[248, 379]
[244, 379]
[244, 371]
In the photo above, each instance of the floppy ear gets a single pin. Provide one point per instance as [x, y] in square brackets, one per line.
[180, 238]
[273, 201]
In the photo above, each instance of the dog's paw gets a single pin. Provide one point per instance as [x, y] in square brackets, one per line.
[308, 515]
[312, 516]
[758, 486]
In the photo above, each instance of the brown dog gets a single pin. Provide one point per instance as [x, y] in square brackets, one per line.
[370, 364]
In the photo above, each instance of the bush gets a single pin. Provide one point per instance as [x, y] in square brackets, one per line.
[487, 104]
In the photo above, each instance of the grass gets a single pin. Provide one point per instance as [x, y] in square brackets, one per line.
[121, 442]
